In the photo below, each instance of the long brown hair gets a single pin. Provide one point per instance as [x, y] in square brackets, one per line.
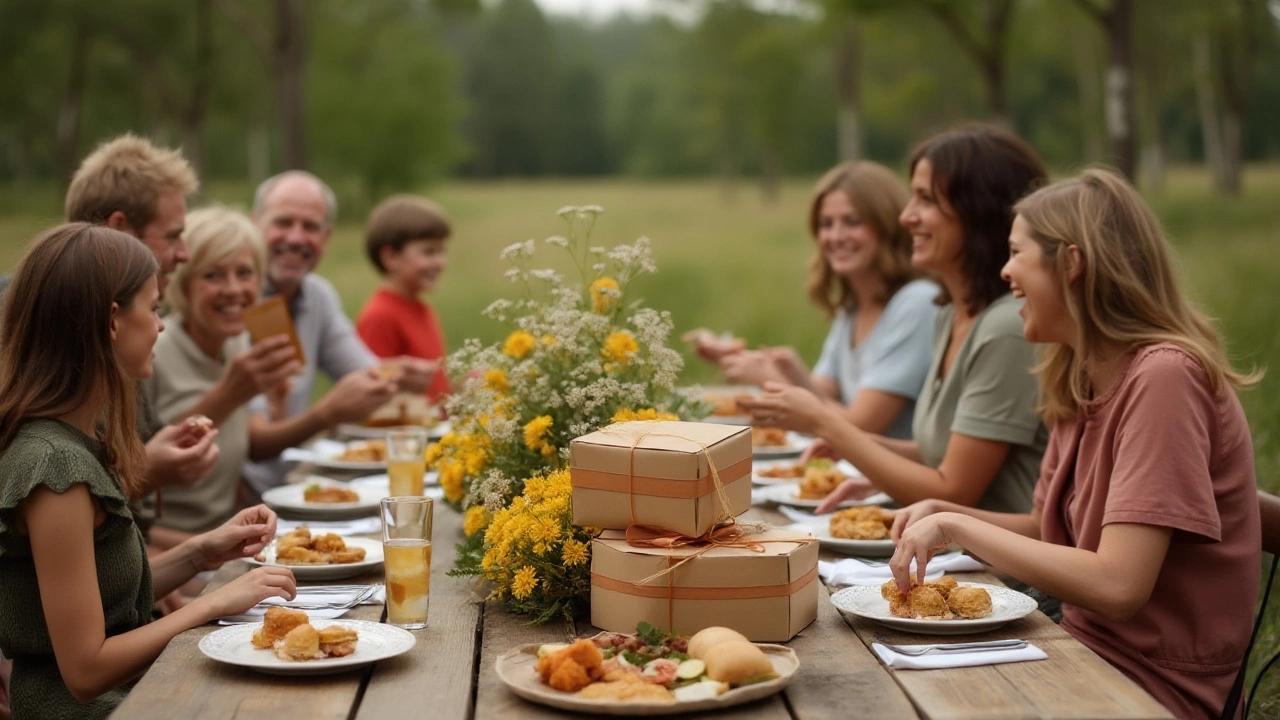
[878, 196]
[1128, 293]
[57, 350]
[982, 170]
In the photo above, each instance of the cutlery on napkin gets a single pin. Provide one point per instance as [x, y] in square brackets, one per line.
[361, 526]
[958, 658]
[852, 571]
[307, 596]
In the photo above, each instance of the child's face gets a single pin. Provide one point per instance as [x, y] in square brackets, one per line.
[418, 265]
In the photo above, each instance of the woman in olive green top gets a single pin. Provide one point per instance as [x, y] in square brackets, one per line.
[977, 438]
[75, 614]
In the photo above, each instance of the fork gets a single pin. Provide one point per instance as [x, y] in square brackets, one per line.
[989, 646]
[359, 597]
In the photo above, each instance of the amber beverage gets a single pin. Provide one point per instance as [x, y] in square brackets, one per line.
[406, 546]
[406, 461]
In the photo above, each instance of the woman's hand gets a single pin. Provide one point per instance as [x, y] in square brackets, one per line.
[924, 538]
[904, 518]
[261, 367]
[242, 536]
[855, 488]
[788, 364]
[244, 592]
[712, 347]
[171, 460]
[750, 367]
[817, 450]
[786, 406]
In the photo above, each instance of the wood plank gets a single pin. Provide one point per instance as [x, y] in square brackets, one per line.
[438, 673]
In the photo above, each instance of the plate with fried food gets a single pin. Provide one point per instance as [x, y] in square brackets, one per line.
[772, 442]
[356, 455]
[789, 494]
[860, 531]
[321, 498]
[725, 409]
[321, 556]
[648, 673]
[287, 644]
[939, 607]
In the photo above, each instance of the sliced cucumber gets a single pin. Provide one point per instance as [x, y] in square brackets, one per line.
[690, 669]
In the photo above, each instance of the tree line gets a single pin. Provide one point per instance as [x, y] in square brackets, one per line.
[386, 94]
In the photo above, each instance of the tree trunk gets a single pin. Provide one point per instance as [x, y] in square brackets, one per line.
[197, 109]
[1089, 97]
[771, 172]
[68, 130]
[1148, 98]
[1206, 104]
[290, 66]
[259, 151]
[996, 15]
[1232, 150]
[1120, 113]
[848, 90]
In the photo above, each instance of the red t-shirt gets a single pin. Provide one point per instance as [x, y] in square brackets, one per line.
[393, 325]
[1159, 448]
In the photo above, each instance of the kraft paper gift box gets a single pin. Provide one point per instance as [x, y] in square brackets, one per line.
[659, 473]
[768, 596]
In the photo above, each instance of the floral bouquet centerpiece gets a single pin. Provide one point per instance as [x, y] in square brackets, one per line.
[580, 355]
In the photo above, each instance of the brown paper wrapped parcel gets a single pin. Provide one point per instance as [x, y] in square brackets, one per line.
[659, 473]
[769, 596]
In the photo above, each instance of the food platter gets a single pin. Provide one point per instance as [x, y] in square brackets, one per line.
[330, 460]
[291, 500]
[795, 444]
[789, 494]
[233, 645]
[865, 601]
[333, 571]
[759, 468]
[516, 670]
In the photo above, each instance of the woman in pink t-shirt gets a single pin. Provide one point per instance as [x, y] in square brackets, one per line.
[1145, 519]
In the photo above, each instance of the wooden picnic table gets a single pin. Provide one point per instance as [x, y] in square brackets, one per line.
[450, 673]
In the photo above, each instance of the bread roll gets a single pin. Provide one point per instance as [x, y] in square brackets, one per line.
[736, 661]
[706, 639]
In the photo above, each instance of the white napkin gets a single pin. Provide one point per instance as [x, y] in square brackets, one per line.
[359, 526]
[254, 614]
[934, 661]
[852, 571]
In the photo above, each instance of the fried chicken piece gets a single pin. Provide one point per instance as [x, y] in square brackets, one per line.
[569, 677]
[342, 557]
[859, 529]
[768, 436]
[301, 643]
[889, 589]
[299, 556]
[900, 606]
[322, 494]
[328, 543]
[584, 653]
[276, 624]
[818, 482]
[337, 641]
[944, 585]
[928, 604]
[970, 602]
[293, 541]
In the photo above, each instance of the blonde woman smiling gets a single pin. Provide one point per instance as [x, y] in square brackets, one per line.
[1145, 522]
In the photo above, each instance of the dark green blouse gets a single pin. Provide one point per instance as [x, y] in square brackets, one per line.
[56, 455]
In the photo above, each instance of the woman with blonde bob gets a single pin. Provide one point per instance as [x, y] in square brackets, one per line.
[1145, 518]
[75, 612]
[876, 354]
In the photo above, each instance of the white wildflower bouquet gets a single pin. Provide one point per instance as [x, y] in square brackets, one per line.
[580, 355]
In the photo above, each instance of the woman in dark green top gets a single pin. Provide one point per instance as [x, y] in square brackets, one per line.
[75, 614]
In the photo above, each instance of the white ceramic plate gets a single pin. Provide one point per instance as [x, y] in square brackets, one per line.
[332, 462]
[338, 571]
[384, 483]
[516, 671]
[865, 601]
[233, 645]
[355, 430]
[291, 499]
[789, 494]
[844, 546]
[796, 443]
[843, 466]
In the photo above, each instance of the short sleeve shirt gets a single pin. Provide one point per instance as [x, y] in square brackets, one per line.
[990, 394]
[1161, 448]
[393, 325]
[893, 358]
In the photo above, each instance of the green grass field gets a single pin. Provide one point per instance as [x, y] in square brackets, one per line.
[729, 261]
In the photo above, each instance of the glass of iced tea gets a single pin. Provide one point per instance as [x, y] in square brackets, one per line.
[406, 461]
[406, 547]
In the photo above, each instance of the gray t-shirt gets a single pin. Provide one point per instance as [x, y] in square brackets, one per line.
[330, 344]
[182, 375]
[893, 358]
[989, 394]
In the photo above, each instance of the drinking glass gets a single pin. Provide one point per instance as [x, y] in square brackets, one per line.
[406, 547]
[406, 462]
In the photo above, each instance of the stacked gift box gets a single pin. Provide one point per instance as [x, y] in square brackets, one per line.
[684, 566]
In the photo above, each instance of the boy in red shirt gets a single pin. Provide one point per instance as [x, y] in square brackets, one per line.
[405, 239]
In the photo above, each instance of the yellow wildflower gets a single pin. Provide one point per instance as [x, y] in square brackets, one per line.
[475, 520]
[451, 477]
[604, 292]
[620, 346]
[524, 583]
[535, 432]
[549, 341]
[496, 380]
[642, 414]
[573, 553]
[518, 344]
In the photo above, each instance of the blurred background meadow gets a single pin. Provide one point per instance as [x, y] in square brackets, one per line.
[701, 124]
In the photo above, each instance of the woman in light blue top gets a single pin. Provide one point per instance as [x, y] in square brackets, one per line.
[876, 355]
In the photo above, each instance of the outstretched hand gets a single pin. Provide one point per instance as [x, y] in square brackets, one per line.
[173, 459]
[244, 535]
[923, 538]
[855, 488]
[241, 594]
